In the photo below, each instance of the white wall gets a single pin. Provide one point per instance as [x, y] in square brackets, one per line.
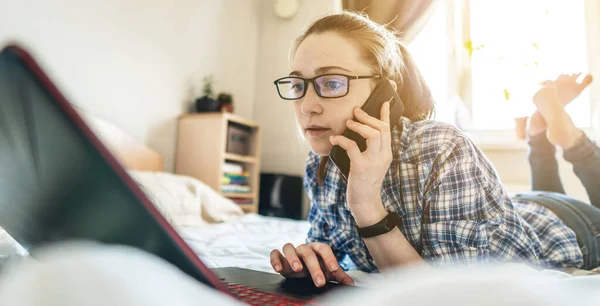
[133, 62]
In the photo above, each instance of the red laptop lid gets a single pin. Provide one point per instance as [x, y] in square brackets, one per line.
[59, 182]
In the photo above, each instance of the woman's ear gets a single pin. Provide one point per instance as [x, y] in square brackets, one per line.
[394, 85]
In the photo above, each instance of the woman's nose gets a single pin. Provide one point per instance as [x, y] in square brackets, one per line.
[311, 103]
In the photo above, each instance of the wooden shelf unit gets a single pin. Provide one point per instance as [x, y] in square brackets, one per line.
[202, 151]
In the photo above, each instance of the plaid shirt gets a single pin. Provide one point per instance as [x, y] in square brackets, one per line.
[453, 206]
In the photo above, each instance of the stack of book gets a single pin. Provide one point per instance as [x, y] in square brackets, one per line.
[235, 179]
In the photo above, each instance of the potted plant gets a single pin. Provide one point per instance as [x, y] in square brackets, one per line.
[225, 102]
[207, 103]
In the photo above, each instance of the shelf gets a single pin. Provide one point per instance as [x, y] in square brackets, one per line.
[202, 151]
[238, 195]
[240, 158]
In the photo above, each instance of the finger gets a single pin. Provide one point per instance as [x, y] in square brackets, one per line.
[312, 264]
[365, 118]
[277, 260]
[372, 135]
[385, 112]
[350, 146]
[342, 277]
[281, 265]
[292, 258]
[385, 117]
[326, 254]
[587, 80]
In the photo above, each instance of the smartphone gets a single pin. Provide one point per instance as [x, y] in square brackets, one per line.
[383, 92]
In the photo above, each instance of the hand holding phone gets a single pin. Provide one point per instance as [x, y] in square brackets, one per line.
[382, 93]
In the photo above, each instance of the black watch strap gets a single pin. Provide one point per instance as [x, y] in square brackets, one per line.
[385, 225]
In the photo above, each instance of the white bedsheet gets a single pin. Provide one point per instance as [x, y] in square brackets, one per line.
[244, 243]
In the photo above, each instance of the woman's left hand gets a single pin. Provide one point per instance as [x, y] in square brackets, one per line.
[368, 168]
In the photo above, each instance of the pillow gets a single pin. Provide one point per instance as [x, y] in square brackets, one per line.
[184, 200]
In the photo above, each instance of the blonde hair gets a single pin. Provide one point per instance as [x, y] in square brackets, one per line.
[383, 52]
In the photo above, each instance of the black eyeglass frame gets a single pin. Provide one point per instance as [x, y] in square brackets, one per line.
[312, 80]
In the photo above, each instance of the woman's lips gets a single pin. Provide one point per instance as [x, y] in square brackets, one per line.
[316, 131]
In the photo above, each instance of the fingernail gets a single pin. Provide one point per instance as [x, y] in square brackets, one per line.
[320, 281]
[332, 267]
[296, 266]
[277, 268]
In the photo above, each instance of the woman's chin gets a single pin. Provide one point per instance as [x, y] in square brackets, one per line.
[320, 148]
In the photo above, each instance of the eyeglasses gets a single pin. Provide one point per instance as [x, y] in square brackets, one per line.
[327, 85]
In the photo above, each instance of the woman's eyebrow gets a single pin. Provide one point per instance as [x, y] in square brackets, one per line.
[321, 70]
[328, 68]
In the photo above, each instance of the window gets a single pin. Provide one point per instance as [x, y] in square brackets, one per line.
[517, 44]
[504, 48]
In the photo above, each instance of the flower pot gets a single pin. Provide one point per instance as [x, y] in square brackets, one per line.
[521, 127]
[206, 104]
[226, 107]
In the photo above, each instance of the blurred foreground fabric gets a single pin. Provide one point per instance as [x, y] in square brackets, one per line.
[83, 273]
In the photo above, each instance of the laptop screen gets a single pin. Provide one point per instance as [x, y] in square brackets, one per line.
[55, 185]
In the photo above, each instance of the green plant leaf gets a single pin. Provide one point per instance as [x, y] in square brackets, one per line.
[208, 86]
[506, 94]
[469, 47]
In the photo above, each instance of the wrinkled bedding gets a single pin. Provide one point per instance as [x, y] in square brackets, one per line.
[244, 243]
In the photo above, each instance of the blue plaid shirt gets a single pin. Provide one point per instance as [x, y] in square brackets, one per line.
[452, 203]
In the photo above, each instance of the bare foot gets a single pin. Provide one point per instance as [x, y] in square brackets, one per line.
[566, 89]
[560, 129]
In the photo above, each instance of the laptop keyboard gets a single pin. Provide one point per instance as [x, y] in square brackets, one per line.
[256, 297]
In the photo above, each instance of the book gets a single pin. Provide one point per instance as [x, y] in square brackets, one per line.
[235, 188]
[234, 181]
[232, 168]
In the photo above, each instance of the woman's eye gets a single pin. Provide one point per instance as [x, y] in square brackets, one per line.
[333, 84]
[298, 87]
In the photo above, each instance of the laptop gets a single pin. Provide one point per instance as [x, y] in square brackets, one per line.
[59, 182]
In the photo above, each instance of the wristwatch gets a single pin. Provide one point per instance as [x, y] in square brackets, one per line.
[391, 220]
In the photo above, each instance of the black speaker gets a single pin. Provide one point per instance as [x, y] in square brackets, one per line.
[280, 196]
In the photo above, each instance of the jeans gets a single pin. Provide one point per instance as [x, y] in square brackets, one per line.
[582, 218]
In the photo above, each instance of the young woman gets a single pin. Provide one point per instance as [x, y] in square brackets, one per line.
[441, 199]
